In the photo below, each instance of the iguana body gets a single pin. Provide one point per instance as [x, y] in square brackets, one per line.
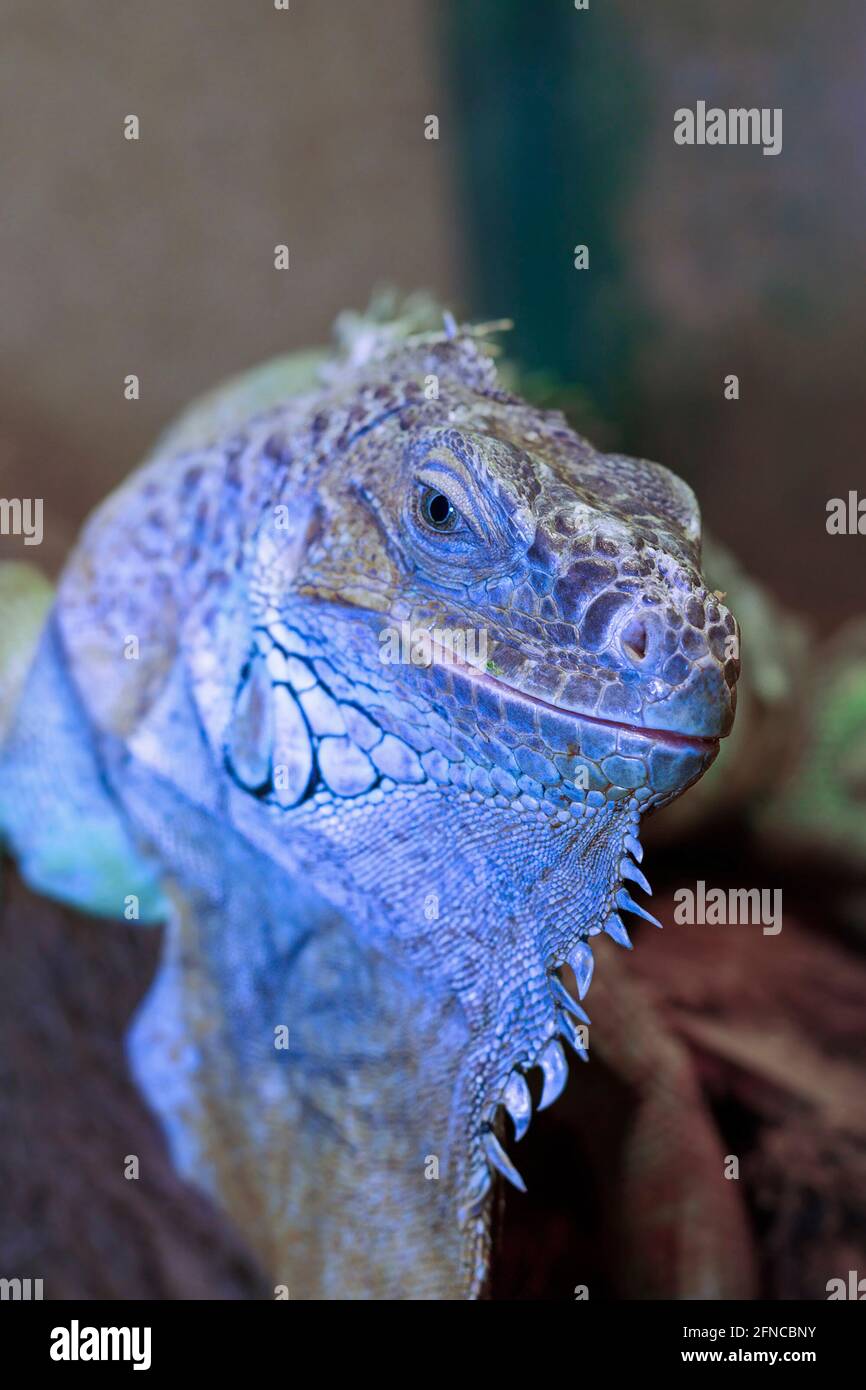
[390, 860]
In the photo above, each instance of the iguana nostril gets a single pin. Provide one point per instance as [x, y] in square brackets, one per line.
[635, 639]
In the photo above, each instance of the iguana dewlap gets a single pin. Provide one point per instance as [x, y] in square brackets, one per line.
[383, 863]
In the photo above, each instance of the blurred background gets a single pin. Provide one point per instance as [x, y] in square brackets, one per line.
[155, 257]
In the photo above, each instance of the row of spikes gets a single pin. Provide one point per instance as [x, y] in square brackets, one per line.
[552, 1062]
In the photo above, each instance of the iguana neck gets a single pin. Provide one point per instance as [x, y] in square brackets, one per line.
[353, 1158]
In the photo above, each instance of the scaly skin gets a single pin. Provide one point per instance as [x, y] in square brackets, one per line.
[393, 860]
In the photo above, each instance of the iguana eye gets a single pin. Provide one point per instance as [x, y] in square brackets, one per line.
[437, 510]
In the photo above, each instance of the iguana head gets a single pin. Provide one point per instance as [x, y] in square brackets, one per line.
[481, 561]
[549, 590]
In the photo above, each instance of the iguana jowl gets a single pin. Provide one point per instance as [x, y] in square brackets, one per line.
[391, 860]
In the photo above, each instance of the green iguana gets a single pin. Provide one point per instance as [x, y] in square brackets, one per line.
[380, 875]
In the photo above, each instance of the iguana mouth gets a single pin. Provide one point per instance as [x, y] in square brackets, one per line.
[679, 740]
[699, 742]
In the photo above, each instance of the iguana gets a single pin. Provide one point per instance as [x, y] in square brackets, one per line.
[380, 876]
